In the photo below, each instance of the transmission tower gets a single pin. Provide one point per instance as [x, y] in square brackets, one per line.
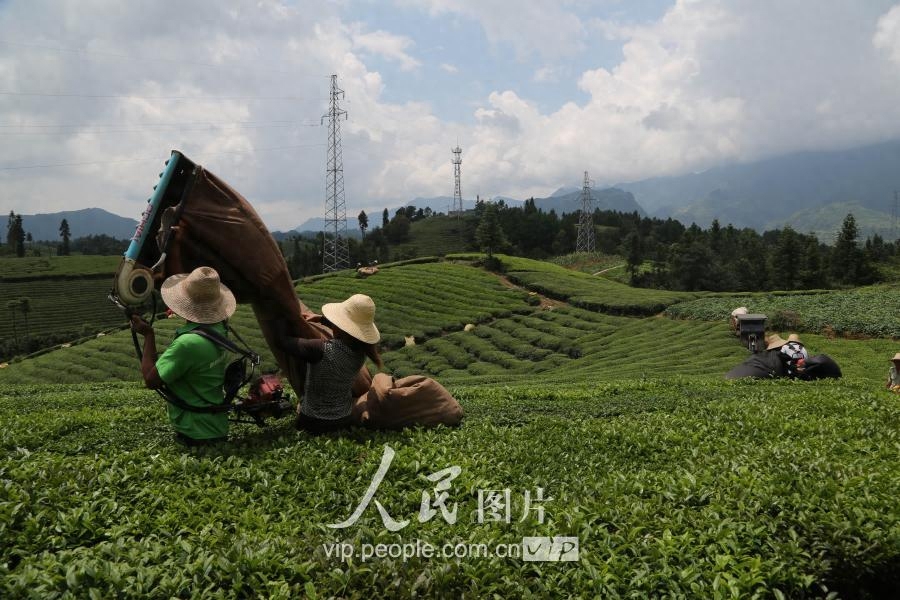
[336, 251]
[457, 190]
[585, 241]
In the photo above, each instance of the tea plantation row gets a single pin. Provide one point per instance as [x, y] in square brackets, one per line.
[677, 487]
[512, 338]
[869, 311]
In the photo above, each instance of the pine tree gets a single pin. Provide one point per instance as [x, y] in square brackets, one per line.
[786, 258]
[489, 235]
[65, 235]
[633, 246]
[846, 256]
[363, 222]
[10, 231]
[19, 237]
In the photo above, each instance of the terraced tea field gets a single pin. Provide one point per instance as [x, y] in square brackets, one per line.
[66, 293]
[673, 481]
[871, 311]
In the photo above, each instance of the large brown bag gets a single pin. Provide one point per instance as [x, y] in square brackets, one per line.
[202, 221]
[408, 402]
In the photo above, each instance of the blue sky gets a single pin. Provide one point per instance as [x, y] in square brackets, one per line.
[95, 93]
[460, 65]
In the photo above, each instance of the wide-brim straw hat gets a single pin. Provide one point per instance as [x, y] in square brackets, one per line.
[199, 296]
[355, 316]
[794, 338]
[896, 357]
[774, 341]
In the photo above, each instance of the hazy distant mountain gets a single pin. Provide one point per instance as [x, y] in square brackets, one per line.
[87, 221]
[766, 193]
[826, 221]
[564, 191]
[311, 227]
[608, 199]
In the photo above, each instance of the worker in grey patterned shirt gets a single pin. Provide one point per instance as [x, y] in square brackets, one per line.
[334, 364]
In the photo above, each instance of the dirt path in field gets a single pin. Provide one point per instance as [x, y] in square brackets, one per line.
[546, 303]
[601, 272]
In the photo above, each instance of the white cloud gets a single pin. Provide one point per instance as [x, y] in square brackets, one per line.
[387, 45]
[530, 27]
[887, 34]
[708, 83]
[546, 74]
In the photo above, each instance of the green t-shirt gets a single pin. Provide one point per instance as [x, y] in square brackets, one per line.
[194, 369]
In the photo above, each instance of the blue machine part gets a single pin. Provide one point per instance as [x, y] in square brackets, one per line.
[142, 230]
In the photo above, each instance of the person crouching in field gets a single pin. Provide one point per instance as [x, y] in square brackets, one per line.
[334, 363]
[893, 382]
[192, 367]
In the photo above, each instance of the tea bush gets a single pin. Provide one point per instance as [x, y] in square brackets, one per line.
[684, 487]
[868, 311]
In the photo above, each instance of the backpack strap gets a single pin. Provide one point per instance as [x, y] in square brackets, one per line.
[224, 342]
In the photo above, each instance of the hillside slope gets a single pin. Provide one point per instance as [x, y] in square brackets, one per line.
[615, 435]
[515, 338]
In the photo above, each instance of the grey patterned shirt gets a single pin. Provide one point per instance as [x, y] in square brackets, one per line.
[329, 382]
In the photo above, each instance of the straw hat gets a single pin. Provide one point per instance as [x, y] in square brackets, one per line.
[199, 296]
[355, 316]
[794, 338]
[896, 357]
[773, 340]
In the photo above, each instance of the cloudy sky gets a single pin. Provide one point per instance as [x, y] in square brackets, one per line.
[95, 93]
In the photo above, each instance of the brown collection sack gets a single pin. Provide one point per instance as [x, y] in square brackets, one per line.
[208, 223]
[407, 402]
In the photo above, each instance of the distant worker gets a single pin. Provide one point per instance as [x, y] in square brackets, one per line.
[794, 355]
[192, 367]
[334, 364]
[893, 382]
[741, 310]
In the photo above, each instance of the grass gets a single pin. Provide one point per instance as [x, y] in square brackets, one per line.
[75, 305]
[435, 236]
[588, 291]
[870, 311]
[42, 266]
[686, 487]
[675, 481]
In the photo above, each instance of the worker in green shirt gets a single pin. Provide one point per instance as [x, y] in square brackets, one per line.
[192, 367]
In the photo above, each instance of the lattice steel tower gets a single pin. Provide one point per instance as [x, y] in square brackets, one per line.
[457, 189]
[585, 241]
[336, 251]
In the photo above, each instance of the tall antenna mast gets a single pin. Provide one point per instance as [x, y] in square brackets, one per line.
[336, 251]
[457, 190]
[585, 241]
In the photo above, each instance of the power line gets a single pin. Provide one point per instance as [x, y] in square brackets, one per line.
[199, 127]
[181, 124]
[154, 60]
[134, 97]
[125, 160]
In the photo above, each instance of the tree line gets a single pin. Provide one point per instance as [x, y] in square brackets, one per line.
[20, 242]
[658, 253]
